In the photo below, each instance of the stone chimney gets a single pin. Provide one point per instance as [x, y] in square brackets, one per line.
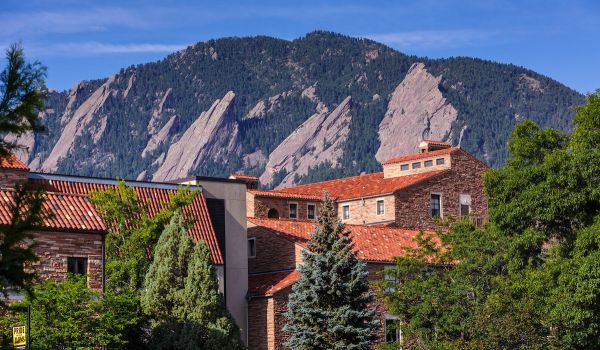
[431, 145]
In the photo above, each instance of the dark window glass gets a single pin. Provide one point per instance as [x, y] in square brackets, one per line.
[436, 205]
[251, 247]
[273, 214]
[464, 210]
[293, 211]
[77, 266]
[416, 165]
[440, 161]
[404, 167]
[392, 331]
[428, 163]
[380, 207]
[346, 212]
[310, 212]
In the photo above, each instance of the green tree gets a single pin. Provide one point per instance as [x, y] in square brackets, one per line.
[16, 247]
[22, 97]
[181, 295]
[329, 304]
[531, 278]
[68, 315]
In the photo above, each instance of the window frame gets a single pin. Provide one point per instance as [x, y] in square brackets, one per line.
[75, 260]
[430, 161]
[390, 277]
[344, 206]
[404, 167]
[398, 335]
[377, 206]
[290, 210]
[253, 239]
[440, 161]
[460, 197]
[314, 211]
[441, 205]
[417, 167]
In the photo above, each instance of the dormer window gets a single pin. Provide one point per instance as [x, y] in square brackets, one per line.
[416, 165]
[440, 161]
[404, 167]
[428, 163]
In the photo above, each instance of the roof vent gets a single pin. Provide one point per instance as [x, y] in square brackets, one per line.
[431, 145]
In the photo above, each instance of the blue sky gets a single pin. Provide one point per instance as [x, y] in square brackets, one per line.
[79, 40]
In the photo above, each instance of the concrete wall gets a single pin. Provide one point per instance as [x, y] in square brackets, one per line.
[236, 244]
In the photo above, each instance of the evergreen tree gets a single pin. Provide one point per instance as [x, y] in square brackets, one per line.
[329, 305]
[181, 296]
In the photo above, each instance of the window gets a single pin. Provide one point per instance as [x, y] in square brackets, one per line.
[77, 266]
[392, 331]
[293, 210]
[440, 161]
[252, 247]
[404, 167]
[273, 214]
[465, 205]
[389, 275]
[380, 207]
[436, 205]
[428, 163]
[416, 165]
[310, 211]
[346, 212]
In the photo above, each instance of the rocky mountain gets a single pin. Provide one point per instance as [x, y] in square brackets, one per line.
[319, 107]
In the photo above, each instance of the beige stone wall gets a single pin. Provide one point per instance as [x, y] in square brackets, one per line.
[394, 170]
[53, 249]
[259, 207]
[365, 211]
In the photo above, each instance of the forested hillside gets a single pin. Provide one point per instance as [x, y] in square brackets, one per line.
[269, 107]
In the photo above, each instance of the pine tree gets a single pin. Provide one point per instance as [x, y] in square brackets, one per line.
[181, 296]
[329, 305]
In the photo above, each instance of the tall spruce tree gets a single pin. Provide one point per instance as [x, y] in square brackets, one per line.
[329, 305]
[181, 296]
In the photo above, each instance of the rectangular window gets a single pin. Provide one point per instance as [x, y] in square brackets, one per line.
[252, 247]
[77, 266]
[436, 205]
[390, 277]
[440, 161]
[404, 167]
[392, 331]
[293, 210]
[465, 205]
[380, 207]
[428, 163]
[346, 212]
[416, 165]
[310, 211]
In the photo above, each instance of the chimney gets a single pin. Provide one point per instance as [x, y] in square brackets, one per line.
[251, 181]
[431, 145]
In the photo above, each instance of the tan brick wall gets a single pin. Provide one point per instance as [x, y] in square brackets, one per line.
[273, 253]
[413, 205]
[394, 170]
[53, 248]
[364, 211]
[259, 207]
[261, 325]
[10, 177]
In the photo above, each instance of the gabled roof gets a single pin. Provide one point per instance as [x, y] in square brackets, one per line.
[60, 211]
[12, 162]
[350, 187]
[266, 284]
[154, 196]
[417, 156]
[373, 243]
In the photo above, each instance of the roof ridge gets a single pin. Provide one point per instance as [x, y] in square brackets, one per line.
[327, 181]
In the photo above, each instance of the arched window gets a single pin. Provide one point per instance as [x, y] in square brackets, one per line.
[273, 214]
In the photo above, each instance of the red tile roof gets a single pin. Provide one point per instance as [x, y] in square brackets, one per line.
[266, 284]
[61, 212]
[154, 199]
[373, 243]
[350, 187]
[12, 162]
[416, 156]
[244, 177]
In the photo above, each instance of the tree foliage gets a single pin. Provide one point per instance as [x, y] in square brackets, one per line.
[181, 296]
[531, 278]
[329, 304]
[22, 97]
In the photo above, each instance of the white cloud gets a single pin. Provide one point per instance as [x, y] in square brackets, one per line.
[432, 39]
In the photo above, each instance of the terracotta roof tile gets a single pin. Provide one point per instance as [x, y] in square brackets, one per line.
[266, 284]
[154, 199]
[12, 162]
[351, 187]
[416, 156]
[437, 143]
[373, 243]
[61, 212]
[244, 177]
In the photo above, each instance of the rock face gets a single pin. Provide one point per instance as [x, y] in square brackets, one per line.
[319, 139]
[213, 135]
[417, 110]
[76, 122]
